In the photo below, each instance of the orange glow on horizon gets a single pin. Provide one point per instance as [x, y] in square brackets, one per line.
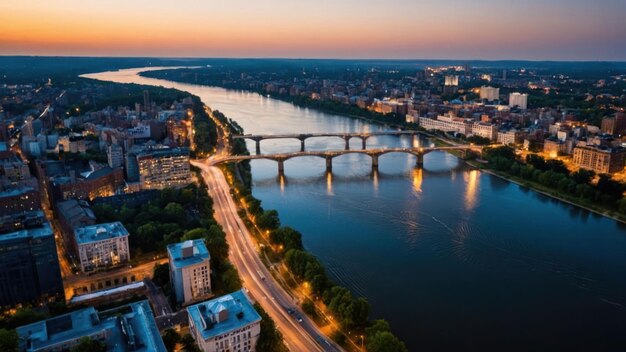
[282, 28]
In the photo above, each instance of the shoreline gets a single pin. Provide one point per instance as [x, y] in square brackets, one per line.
[544, 193]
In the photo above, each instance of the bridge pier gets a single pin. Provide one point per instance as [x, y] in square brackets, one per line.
[258, 146]
[329, 164]
[301, 145]
[347, 139]
[420, 160]
[374, 161]
[364, 142]
[281, 166]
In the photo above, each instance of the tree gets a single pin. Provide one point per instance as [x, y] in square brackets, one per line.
[288, 237]
[269, 220]
[195, 234]
[174, 212]
[161, 275]
[385, 342]
[8, 340]
[189, 344]
[218, 247]
[583, 176]
[171, 339]
[86, 344]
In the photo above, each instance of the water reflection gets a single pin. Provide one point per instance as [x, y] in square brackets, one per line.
[329, 183]
[418, 175]
[282, 180]
[471, 178]
[375, 177]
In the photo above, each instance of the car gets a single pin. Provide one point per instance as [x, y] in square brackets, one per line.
[299, 318]
[290, 311]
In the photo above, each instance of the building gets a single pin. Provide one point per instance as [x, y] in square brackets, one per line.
[127, 328]
[101, 245]
[73, 214]
[29, 266]
[19, 200]
[519, 100]
[164, 168]
[115, 156]
[227, 323]
[489, 93]
[190, 270]
[451, 81]
[446, 124]
[485, 130]
[615, 125]
[63, 182]
[510, 137]
[599, 158]
[553, 147]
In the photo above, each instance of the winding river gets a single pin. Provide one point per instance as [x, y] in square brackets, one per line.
[451, 257]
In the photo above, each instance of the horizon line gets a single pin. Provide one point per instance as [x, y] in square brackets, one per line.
[310, 58]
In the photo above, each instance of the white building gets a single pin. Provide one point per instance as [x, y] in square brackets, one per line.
[115, 156]
[519, 100]
[485, 130]
[489, 93]
[225, 324]
[101, 245]
[510, 137]
[446, 124]
[190, 271]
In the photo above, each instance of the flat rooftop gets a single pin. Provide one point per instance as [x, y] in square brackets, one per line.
[197, 253]
[100, 232]
[223, 314]
[37, 232]
[128, 328]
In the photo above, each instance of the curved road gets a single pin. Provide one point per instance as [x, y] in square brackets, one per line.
[299, 336]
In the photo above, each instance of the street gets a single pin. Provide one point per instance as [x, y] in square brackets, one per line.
[261, 286]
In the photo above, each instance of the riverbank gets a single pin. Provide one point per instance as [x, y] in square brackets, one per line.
[546, 192]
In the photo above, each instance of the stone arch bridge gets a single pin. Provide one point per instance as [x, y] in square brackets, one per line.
[375, 154]
[302, 137]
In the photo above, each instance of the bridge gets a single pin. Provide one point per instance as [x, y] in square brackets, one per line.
[257, 138]
[375, 154]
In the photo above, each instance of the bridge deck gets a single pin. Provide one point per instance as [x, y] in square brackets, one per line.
[329, 154]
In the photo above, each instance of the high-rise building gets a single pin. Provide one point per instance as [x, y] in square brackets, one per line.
[147, 104]
[519, 100]
[127, 328]
[101, 245]
[29, 266]
[164, 168]
[227, 323]
[190, 270]
[115, 156]
[451, 81]
[489, 93]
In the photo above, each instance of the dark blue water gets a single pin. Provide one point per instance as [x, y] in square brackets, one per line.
[451, 257]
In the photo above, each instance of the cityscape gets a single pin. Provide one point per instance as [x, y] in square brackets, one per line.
[283, 176]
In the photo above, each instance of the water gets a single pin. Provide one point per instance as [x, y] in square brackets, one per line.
[451, 257]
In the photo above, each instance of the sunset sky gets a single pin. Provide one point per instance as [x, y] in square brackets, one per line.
[408, 29]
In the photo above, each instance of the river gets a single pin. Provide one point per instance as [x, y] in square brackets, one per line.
[453, 258]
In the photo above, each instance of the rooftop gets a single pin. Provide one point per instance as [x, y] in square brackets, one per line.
[44, 231]
[188, 253]
[76, 212]
[100, 232]
[128, 328]
[221, 315]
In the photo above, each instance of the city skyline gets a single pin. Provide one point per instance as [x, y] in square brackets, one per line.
[399, 29]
